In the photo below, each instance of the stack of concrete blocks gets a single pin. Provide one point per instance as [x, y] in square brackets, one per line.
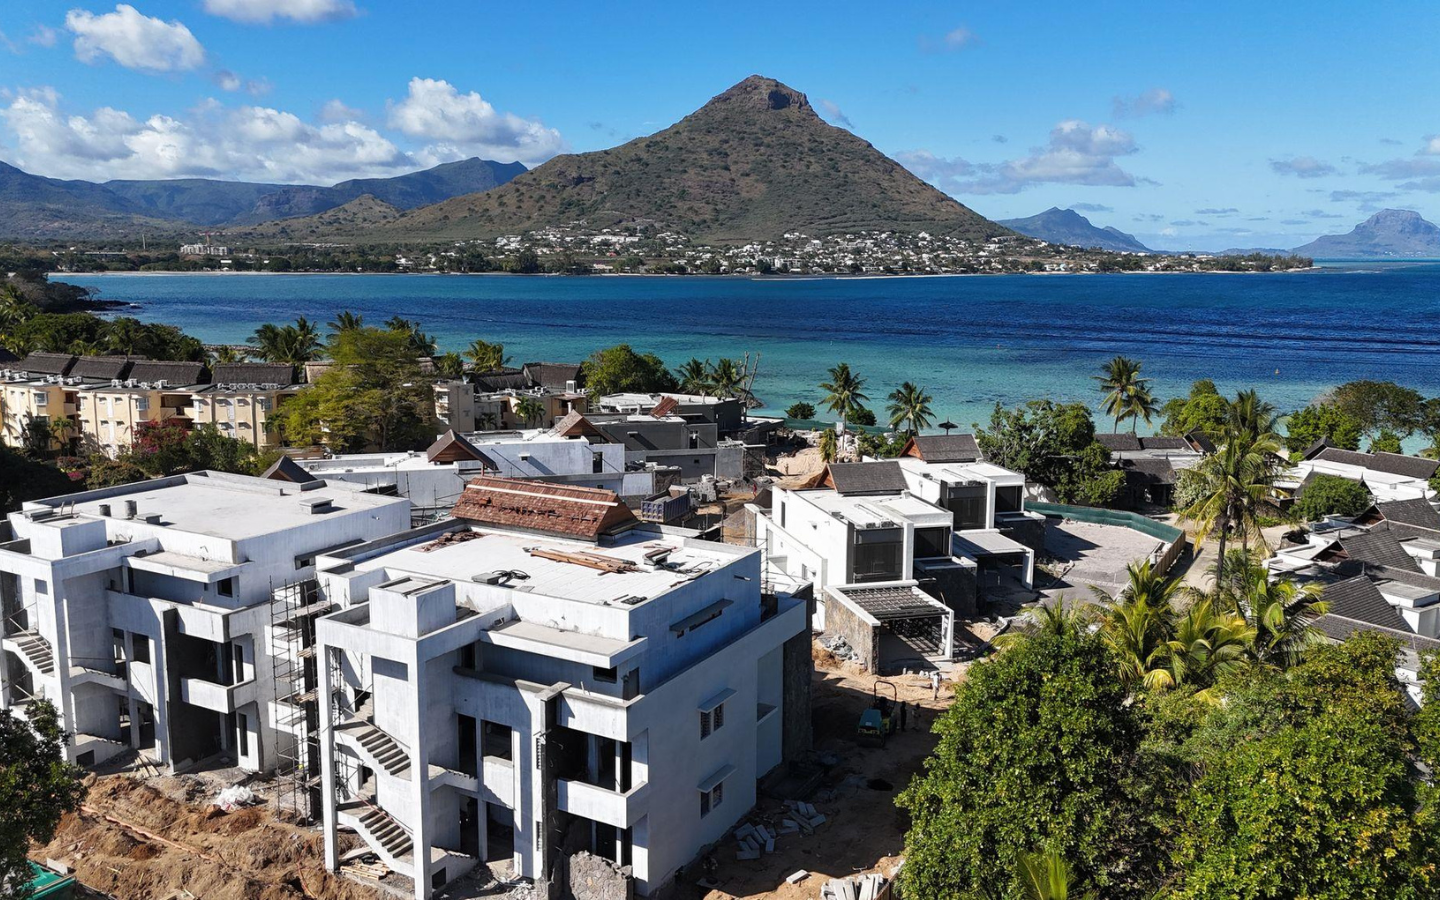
[754, 840]
[871, 886]
[802, 817]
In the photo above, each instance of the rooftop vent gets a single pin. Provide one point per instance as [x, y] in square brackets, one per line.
[152, 519]
[105, 510]
[130, 509]
[316, 505]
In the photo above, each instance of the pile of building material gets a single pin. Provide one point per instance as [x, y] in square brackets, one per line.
[802, 817]
[754, 840]
[839, 647]
[872, 886]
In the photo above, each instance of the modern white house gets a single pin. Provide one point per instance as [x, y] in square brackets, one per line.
[1387, 476]
[166, 616]
[544, 676]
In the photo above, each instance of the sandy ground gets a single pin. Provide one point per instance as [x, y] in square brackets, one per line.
[173, 844]
[799, 463]
[864, 831]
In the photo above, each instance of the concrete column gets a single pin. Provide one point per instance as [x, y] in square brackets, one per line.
[327, 757]
[420, 779]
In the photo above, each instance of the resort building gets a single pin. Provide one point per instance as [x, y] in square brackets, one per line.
[1152, 464]
[1387, 476]
[171, 616]
[243, 400]
[545, 677]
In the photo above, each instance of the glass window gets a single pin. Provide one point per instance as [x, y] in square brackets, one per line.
[932, 542]
[1007, 499]
[878, 555]
[968, 505]
[42, 398]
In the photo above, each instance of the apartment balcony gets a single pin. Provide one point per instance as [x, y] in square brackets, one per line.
[220, 698]
[621, 809]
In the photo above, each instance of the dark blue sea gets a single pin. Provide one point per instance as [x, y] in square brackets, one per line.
[971, 341]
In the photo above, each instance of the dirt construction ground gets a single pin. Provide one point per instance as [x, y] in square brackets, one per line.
[863, 831]
[171, 846]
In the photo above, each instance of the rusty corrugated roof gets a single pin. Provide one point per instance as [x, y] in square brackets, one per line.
[542, 507]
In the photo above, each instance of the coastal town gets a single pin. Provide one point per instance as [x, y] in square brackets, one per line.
[598, 452]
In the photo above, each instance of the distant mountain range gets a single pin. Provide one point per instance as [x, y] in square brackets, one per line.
[33, 207]
[1389, 234]
[752, 164]
[1066, 226]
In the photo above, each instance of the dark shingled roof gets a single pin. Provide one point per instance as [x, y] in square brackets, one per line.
[254, 373]
[104, 368]
[501, 380]
[176, 373]
[1118, 442]
[1358, 598]
[558, 509]
[1417, 512]
[1148, 471]
[883, 477]
[1164, 442]
[287, 469]
[943, 448]
[1201, 441]
[1341, 628]
[42, 363]
[1378, 548]
[1390, 463]
[551, 375]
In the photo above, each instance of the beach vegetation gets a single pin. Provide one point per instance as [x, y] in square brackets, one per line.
[909, 405]
[1053, 444]
[1203, 411]
[1126, 394]
[1326, 495]
[620, 369]
[1321, 421]
[801, 410]
[844, 393]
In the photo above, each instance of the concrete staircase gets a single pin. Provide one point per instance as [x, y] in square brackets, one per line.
[382, 749]
[36, 650]
[381, 830]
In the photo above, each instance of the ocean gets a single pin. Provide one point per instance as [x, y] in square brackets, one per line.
[971, 341]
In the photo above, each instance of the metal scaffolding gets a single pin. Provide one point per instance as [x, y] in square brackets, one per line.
[293, 609]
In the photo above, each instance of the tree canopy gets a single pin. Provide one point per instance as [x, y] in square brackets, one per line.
[1203, 411]
[37, 786]
[1053, 444]
[1323, 421]
[619, 369]
[1326, 495]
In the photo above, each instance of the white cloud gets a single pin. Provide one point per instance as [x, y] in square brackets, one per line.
[337, 111]
[227, 80]
[953, 40]
[461, 125]
[1077, 153]
[832, 111]
[133, 40]
[1302, 167]
[267, 11]
[1156, 101]
[213, 141]
[44, 36]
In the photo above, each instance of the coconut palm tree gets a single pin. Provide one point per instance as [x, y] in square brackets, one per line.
[294, 344]
[1047, 876]
[909, 403]
[694, 377]
[1141, 405]
[485, 356]
[727, 378]
[421, 344]
[345, 320]
[844, 392]
[529, 410]
[450, 365]
[121, 335]
[224, 355]
[1236, 491]
[829, 446]
[1138, 636]
[15, 310]
[1250, 417]
[1120, 382]
[1206, 643]
[1279, 612]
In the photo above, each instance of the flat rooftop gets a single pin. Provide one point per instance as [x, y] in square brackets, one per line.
[495, 551]
[230, 507]
[871, 510]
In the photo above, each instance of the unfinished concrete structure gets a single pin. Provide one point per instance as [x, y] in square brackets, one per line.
[544, 676]
[170, 616]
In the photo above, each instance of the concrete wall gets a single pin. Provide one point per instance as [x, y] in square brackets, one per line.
[1028, 530]
[843, 620]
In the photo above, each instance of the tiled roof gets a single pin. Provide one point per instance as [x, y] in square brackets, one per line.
[574, 424]
[42, 363]
[1148, 471]
[1417, 512]
[884, 477]
[551, 375]
[1118, 442]
[102, 367]
[1358, 598]
[1164, 442]
[1390, 463]
[254, 373]
[1378, 548]
[542, 507]
[177, 373]
[943, 448]
[665, 407]
[451, 447]
[1340, 628]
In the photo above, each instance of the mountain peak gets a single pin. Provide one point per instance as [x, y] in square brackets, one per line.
[1066, 226]
[1395, 233]
[759, 93]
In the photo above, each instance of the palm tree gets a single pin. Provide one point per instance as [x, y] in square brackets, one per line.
[1237, 481]
[60, 429]
[15, 310]
[844, 392]
[1047, 876]
[121, 335]
[1206, 643]
[224, 355]
[1138, 636]
[1140, 405]
[346, 321]
[1249, 416]
[421, 344]
[1279, 612]
[694, 377]
[909, 403]
[485, 356]
[294, 344]
[450, 365]
[727, 378]
[486, 421]
[529, 410]
[1120, 383]
[829, 446]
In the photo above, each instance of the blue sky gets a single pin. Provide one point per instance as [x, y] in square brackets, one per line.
[1228, 125]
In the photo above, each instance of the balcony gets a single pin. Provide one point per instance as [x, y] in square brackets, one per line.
[601, 805]
[217, 697]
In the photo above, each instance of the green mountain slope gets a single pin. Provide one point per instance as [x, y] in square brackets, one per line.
[1066, 226]
[33, 207]
[752, 164]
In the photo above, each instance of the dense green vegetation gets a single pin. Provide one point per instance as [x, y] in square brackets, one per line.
[37, 787]
[1054, 445]
[1169, 746]
[1331, 495]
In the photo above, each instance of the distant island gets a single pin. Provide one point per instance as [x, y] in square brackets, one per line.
[1066, 226]
[1389, 234]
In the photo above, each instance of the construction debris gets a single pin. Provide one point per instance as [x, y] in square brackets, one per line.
[838, 647]
[872, 886]
[235, 797]
[754, 839]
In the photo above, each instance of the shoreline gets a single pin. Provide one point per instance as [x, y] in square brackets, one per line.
[209, 273]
